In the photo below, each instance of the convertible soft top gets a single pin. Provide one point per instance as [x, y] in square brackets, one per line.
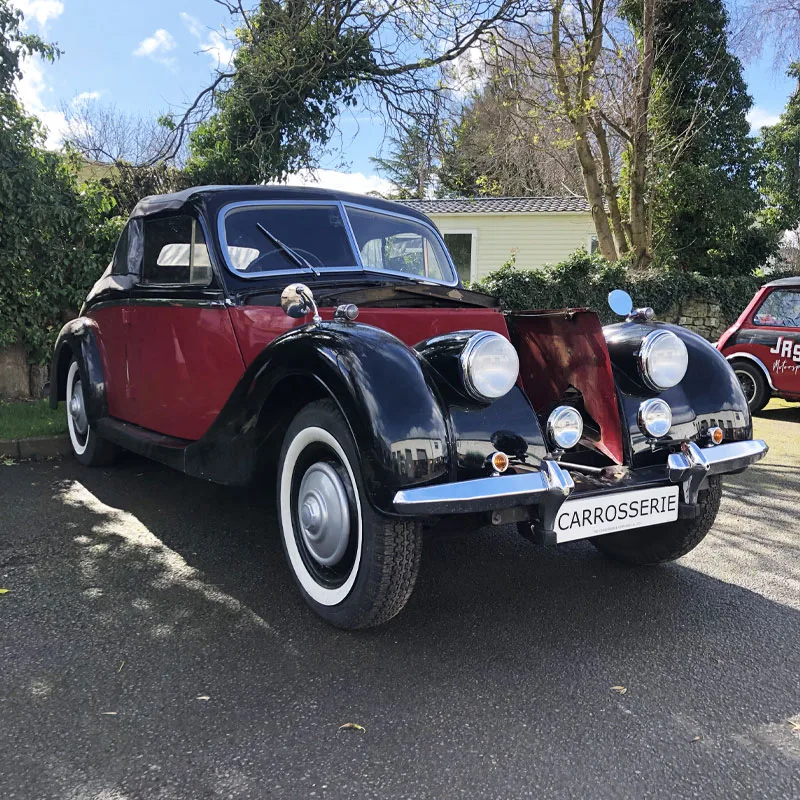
[211, 198]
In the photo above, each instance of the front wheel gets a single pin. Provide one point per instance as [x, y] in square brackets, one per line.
[354, 567]
[658, 543]
[88, 448]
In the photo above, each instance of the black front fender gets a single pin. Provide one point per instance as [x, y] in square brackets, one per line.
[379, 384]
[78, 340]
[708, 396]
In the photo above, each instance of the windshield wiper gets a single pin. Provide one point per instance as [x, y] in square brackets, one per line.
[284, 248]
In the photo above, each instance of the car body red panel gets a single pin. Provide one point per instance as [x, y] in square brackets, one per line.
[167, 347]
[257, 326]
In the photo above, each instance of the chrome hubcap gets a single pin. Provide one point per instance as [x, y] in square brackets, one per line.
[324, 513]
[77, 409]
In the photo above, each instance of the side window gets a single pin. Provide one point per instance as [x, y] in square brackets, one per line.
[119, 266]
[175, 252]
[780, 309]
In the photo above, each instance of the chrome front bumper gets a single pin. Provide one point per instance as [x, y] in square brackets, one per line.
[552, 485]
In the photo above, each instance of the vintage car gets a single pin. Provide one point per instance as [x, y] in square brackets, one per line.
[763, 345]
[389, 396]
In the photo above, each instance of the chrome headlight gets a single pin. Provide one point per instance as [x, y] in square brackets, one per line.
[655, 417]
[565, 427]
[490, 365]
[663, 360]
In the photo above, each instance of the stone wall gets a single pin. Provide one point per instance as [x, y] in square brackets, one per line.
[700, 316]
[18, 379]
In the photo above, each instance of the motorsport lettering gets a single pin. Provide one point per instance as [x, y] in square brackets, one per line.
[787, 348]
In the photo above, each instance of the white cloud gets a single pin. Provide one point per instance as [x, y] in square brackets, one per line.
[761, 118]
[212, 43]
[85, 97]
[31, 91]
[355, 182]
[157, 47]
[40, 10]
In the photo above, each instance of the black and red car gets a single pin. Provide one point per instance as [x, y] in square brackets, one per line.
[763, 345]
[389, 396]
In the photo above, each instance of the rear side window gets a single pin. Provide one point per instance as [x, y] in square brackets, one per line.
[781, 310]
[119, 266]
[175, 252]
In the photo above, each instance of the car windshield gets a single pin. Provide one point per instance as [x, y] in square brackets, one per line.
[397, 244]
[317, 233]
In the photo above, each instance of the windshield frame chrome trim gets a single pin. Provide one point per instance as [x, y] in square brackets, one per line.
[223, 240]
[432, 228]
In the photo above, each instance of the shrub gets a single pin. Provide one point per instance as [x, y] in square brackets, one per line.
[584, 280]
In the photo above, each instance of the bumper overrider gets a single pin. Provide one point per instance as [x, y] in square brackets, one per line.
[552, 485]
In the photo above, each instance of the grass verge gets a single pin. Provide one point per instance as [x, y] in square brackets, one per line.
[25, 420]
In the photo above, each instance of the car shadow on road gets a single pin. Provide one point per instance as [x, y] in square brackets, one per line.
[504, 649]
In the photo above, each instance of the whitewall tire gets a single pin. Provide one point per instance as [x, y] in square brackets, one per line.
[88, 448]
[353, 566]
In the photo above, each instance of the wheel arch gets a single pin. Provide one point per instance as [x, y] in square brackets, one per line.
[751, 359]
[376, 381]
[78, 340]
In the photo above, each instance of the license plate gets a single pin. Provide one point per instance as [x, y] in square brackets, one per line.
[593, 516]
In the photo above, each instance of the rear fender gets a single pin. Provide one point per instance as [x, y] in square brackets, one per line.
[79, 340]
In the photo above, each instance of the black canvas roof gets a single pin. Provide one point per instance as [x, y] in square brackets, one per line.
[214, 197]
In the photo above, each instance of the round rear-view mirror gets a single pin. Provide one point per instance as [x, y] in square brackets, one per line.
[620, 302]
[296, 300]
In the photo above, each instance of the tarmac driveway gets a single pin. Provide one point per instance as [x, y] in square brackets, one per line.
[152, 646]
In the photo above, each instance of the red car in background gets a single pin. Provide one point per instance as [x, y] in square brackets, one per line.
[763, 345]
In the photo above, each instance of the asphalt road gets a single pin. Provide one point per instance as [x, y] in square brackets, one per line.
[152, 646]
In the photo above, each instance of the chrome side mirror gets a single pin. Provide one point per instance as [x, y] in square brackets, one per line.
[620, 302]
[297, 300]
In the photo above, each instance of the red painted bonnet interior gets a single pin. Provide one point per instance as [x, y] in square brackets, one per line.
[560, 349]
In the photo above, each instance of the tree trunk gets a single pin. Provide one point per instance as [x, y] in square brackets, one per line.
[640, 238]
[611, 189]
[594, 194]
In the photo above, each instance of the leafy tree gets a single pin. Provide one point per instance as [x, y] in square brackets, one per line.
[500, 144]
[780, 182]
[297, 63]
[56, 236]
[410, 165]
[704, 198]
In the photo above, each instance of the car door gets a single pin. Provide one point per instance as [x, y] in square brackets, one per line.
[776, 337]
[108, 305]
[187, 361]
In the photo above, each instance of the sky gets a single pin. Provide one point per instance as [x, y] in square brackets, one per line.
[147, 56]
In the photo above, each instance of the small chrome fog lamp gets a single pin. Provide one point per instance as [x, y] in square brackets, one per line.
[565, 427]
[655, 418]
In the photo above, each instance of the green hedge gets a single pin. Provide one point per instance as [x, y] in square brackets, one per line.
[585, 280]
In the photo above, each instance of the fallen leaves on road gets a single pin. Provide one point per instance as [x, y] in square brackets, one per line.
[352, 726]
[108, 713]
[697, 739]
[4, 591]
[202, 697]
[619, 689]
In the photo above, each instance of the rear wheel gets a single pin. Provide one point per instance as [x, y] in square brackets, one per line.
[666, 542]
[89, 448]
[754, 386]
[354, 567]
